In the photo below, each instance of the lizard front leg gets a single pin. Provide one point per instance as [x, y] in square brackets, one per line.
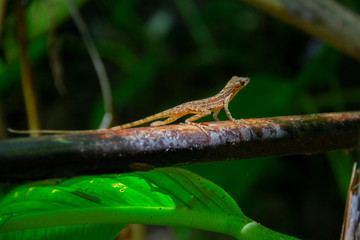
[226, 108]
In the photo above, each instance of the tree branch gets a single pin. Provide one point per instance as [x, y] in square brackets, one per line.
[324, 19]
[110, 151]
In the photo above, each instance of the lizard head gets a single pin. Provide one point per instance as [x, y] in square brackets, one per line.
[235, 85]
[238, 82]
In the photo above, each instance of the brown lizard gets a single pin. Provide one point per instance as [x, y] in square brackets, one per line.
[200, 108]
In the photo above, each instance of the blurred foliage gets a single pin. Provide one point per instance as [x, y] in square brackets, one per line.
[162, 53]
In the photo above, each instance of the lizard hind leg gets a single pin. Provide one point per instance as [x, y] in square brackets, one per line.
[196, 117]
[166, 121]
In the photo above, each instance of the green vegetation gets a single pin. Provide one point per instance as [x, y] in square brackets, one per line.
[101, 206]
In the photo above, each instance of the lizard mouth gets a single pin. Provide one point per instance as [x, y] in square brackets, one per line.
[244, 81]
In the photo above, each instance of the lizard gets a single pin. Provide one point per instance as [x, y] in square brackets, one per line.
[200, 109]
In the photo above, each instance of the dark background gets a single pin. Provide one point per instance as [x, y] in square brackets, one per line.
[162, 53]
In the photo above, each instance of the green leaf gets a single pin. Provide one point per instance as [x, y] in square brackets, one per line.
[98, 207]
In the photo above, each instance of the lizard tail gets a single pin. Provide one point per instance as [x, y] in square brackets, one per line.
[47, 131]
[163, 114]
[157, 116]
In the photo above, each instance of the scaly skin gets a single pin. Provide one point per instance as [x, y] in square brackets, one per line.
[200, 108]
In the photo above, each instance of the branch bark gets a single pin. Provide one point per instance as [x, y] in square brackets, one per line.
[324, 19]
[110, 151]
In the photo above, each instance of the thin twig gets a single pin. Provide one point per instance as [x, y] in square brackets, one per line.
[98, 64]
[27, 79]
[3, 5]
[115, 151]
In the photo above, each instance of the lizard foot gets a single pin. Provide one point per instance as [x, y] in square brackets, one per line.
[200, 126]
[237, 121]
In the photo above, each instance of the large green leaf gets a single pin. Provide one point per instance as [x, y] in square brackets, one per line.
[98, 207]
